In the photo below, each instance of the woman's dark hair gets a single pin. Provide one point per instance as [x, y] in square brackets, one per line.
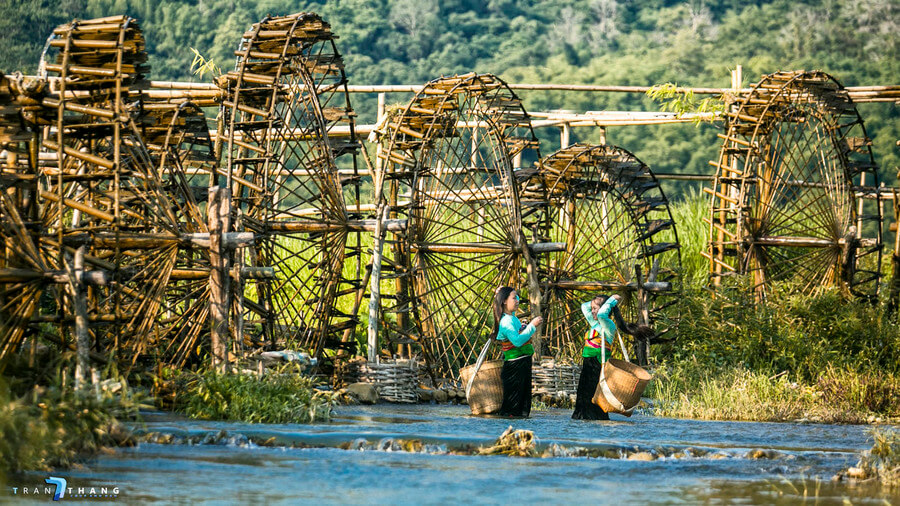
[500, 297]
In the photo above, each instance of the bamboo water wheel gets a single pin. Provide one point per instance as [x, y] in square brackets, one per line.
[178, 137]
[449, 171]
[23, 269]
[786, 200]
[102, 195]
[612, 215]
[286, 93]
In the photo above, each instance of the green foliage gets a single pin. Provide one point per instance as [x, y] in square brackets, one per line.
[201, 66]
[795, 333]
[534, 41]
[683, 102]
[52, 427]
[283, 396]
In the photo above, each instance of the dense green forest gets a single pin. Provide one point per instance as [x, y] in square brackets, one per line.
[610, 42]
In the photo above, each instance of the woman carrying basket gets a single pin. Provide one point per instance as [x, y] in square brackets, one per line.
[597, 347]
[517, 351]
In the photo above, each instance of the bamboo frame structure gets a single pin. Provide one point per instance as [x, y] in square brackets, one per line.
[131, 229]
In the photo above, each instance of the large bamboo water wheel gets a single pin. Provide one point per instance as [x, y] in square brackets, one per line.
[23, 270]
[177, 135]
[102, 197]
[786, 200]
[450, 173]
[612, 215]
[286, 93]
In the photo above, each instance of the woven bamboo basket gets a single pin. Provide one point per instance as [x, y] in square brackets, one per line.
[626, 383]
[395, 381]
[486, 395]
[551, 377]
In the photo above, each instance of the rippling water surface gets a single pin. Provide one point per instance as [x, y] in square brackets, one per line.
[695, 461]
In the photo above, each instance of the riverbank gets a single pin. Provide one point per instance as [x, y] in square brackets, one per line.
[692, 390]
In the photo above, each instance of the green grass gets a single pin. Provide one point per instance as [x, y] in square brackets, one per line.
[281, 396]
[53, 427]
[691, 390]
[688, 215]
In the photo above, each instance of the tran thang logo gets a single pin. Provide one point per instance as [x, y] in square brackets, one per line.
[60, 487]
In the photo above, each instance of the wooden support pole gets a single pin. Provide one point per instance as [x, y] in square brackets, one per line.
[79, 306]
[238, 270]
[218, 211]
[379, 162]
[894, 286]
[375, 289]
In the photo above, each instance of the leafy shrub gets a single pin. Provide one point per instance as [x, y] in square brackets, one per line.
[52, 427]
[282, 396]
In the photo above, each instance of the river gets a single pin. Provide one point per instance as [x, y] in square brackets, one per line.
[361, 457]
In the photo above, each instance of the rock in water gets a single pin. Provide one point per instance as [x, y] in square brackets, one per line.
[363, 392]
[425, 395]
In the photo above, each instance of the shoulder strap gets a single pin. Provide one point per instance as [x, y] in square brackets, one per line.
[481, 357]
[622, 344]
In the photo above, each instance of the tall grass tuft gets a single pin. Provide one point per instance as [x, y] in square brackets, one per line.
[52, 427]
[690, 390]
[688, 214]
[281, 396]
[882, 462]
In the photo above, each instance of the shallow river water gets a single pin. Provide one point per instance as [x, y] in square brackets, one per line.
[695, 461]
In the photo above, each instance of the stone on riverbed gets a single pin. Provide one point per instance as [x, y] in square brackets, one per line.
[642, 456]
[762, 454]
[363, 392]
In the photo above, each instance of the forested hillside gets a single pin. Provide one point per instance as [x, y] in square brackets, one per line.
[610, 42]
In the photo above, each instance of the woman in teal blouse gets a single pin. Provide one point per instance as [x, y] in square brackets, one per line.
[517, 351]
[602, 316]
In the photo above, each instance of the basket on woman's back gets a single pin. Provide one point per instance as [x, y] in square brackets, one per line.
[620, 386]
[486, 394]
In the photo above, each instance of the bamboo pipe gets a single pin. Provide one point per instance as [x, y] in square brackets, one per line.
[350, 226]
[543, 247]
[599, 286]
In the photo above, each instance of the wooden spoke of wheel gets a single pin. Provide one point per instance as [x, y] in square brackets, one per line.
[449, 171]
[784, 205]
[608, 208]
[22, 277]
